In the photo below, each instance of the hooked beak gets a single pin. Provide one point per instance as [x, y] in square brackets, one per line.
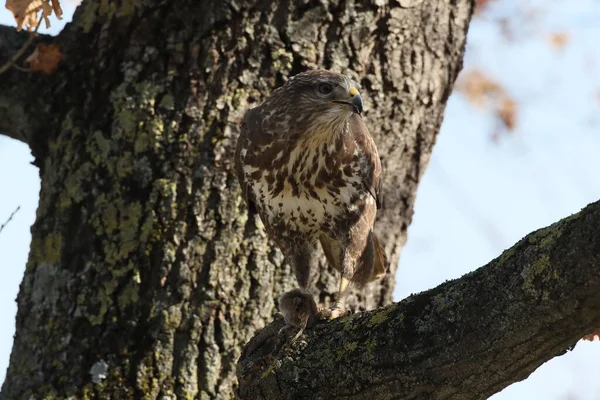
[355, 101]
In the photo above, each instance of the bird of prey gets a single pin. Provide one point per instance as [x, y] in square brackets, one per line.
[309, 167]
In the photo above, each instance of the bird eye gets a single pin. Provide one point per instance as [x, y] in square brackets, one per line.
[325, 88]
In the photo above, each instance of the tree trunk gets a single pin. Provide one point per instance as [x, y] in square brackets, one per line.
[146, 275]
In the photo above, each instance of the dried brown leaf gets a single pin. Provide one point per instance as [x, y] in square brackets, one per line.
[593, 336]
[558, 40]
[482, 91]
[480, 5]
[478, 87]
[26, 12]
[507, 112]
[45, 58]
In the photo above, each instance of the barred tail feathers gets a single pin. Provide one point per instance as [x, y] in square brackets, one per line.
[381, 264]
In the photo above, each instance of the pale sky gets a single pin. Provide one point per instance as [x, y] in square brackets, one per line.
[478, 196]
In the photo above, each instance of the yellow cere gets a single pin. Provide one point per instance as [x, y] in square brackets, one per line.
[353, 92]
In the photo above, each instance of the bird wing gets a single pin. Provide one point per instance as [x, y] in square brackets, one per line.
[364, 140]
[245, 149]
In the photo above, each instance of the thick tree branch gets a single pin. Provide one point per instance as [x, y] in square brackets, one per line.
[21, 106]
[467, 338]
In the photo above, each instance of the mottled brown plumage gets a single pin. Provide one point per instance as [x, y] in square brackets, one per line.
[309, 167]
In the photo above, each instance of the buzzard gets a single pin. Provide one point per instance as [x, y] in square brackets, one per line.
[308, 166]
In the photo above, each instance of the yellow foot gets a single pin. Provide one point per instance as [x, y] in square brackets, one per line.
[332, 313]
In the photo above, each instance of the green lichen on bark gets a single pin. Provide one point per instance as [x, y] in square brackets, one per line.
[381, 315]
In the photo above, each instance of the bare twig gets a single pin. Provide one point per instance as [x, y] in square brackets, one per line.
[9, 219]
[22, 50]
[22, 69]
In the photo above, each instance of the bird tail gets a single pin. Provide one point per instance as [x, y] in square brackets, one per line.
[380, 264]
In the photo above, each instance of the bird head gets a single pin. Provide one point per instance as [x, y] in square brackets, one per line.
[321, 90]
[316, 98]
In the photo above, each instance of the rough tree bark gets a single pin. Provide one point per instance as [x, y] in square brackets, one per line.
[146, 275]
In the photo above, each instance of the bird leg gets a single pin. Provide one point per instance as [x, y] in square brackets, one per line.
[338, 308]
[300, 258]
